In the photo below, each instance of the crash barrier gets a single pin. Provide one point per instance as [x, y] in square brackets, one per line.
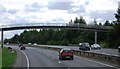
[102, 57]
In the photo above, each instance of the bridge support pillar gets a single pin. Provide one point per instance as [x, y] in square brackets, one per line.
[95, 37]
[2, 42]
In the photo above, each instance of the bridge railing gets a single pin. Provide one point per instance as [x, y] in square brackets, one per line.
[89, 26]
[56, 24]
[32, 24]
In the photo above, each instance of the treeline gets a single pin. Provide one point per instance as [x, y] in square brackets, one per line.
[67, 36]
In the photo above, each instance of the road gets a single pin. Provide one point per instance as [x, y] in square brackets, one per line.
[101, 51]
[38, 57]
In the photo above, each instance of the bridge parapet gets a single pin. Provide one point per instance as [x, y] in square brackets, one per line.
[90, 26]
[59, 25]
[32, 24]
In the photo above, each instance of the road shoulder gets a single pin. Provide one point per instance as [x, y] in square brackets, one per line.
[21, 60]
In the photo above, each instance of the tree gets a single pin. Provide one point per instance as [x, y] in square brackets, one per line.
[117, 16]
[114, 34]
[71, 21]
[95, 22]
[81, 20]
[107, 23]
[76, 20]
[100, 23]
[7, 41]
[15, 39]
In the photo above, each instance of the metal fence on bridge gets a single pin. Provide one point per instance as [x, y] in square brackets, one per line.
[57, 24]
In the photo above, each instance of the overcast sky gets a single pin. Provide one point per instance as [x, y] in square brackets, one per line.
[54, 11]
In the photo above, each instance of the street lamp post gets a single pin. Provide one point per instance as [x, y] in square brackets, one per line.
[95, 37]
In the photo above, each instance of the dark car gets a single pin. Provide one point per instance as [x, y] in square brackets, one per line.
[119, 48]
[22, 47]
[66, 54]
[84, 46]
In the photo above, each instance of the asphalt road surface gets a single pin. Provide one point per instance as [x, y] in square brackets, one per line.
[37, 57]
[101, 51]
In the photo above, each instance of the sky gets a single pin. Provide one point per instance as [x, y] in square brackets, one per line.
[54, 11]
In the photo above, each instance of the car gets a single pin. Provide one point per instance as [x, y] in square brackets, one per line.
[35, 44]
[84, 46]
[119, 48]
[7, 43]
[95, 46]
[22, 47]
[66, 54]
[20, 44]
[29, 44]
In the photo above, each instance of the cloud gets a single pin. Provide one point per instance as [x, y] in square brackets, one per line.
[52, 9]
[60, 0]
[2, 9]
[18, 20]
[78, 10]
[95, 5]
[55, 11]
[59, 20]
[9, 34]
[12, 11]
[59, 5]
[79, 7]
[87, 3]
[34, 7]
[103, 15]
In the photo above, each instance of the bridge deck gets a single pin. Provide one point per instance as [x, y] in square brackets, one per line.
[54, 25]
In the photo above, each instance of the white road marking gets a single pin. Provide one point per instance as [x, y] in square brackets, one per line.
[27, 59]
[96, 62]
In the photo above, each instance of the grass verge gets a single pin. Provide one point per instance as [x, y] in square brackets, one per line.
[8, 58]
[0, 57]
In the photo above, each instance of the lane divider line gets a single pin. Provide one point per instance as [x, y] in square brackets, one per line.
[28, 65]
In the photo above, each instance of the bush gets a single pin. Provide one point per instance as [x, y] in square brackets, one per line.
[104, 44]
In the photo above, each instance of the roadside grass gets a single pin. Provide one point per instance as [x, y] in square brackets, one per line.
[0, 58]
[8, 58]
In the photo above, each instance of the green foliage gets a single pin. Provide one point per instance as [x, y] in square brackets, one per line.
[64, 42]
[8, 58]
[0, 57]
[114, 37]
[114, 34]
[79, 20]
[104, 44]
[107, 23]
[117, 16]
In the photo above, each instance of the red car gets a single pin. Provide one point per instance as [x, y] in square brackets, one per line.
[66, 54]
